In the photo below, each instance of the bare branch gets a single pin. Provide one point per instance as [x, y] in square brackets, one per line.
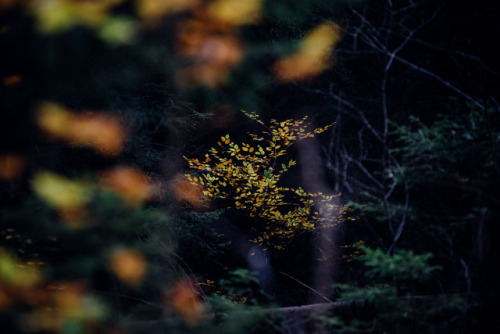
[307, 286]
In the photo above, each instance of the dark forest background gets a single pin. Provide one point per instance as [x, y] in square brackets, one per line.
[104, 103]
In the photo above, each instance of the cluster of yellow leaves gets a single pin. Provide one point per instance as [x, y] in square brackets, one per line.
[208, 38]
[15, 273]
[67, 197]
[70, 197]
[52, 304]
[153, 10]
[53, 16]
[46, 306]
[247, 175]
[236, 12]
[313, 56]
[101, 131]
[207, 33]
[56, 16]
[105, 133]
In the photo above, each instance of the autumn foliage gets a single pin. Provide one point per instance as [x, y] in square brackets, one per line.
[247, 176]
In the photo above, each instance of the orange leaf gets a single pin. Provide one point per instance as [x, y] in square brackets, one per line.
[12, 80]
[128, 265]
[184, 297]
[129, 182]
[11, 166]
[185, 191]
[103, 132]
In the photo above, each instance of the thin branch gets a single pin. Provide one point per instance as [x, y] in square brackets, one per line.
[443, 81]
[307, 286]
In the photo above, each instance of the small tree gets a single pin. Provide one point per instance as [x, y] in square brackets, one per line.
[247, 177]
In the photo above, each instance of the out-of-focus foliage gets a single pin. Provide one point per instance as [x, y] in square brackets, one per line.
[390, 293]
[247, 177]
[313, 56]
[11, 166]
[128, 265]
[130, 183]
[60, 268]
[185, 300]
[103, 132]
[96, 91]
[100, 100]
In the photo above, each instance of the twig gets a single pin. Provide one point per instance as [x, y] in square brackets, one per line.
[307, 286]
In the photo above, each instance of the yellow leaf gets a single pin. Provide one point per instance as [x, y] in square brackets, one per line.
[312, 57]
[15, 273]
[155, 9]
[59, 15]
[118, 30]
[59, 191]
[236, 12]
[103, 132]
